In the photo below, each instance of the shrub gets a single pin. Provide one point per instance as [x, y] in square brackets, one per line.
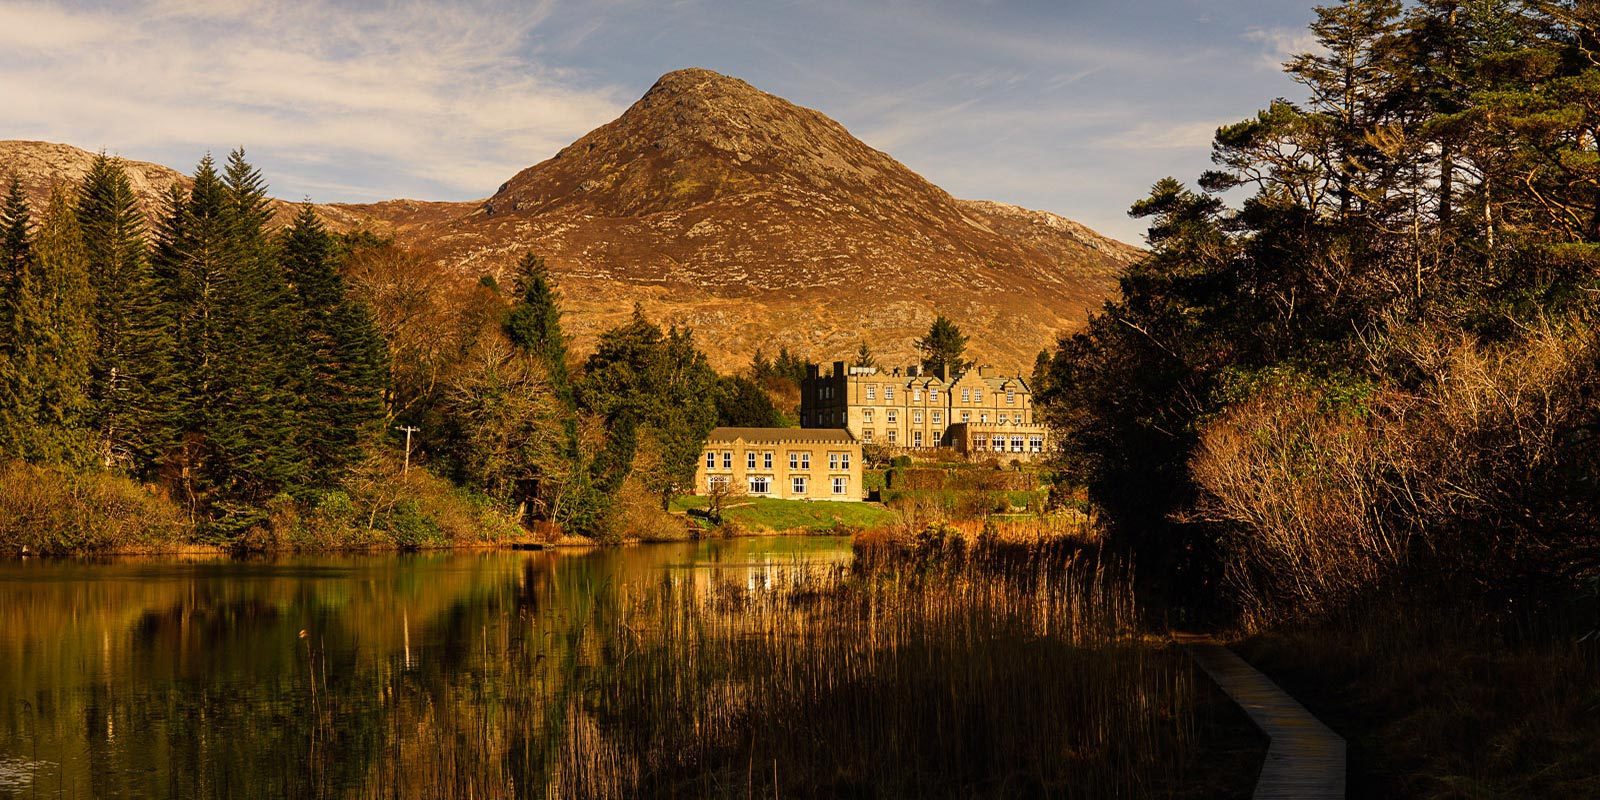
[57, 511]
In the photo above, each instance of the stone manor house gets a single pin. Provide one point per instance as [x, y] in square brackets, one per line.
[976, 412]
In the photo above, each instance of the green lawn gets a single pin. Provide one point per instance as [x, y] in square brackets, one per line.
[768, 514]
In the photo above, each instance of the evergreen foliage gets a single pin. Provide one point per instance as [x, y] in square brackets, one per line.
[346, 361]
[131, 372]
[741, 402]
[1439, 183]
[644, 383]
[943, 347]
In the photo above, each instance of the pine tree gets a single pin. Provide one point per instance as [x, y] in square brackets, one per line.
[16, 272]
[534, 323]
[58, 328]
[864, 356]
[256, 429]
[943, 346]
[346, 360]
[131, 378]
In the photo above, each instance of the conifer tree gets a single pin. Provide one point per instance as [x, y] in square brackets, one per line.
[346, 361]
[16, 270]
[256, 427]
[534, 323]
[943, 346]
[57, 326]
[131, 379]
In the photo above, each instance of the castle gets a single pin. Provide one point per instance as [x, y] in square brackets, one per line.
[976, 412]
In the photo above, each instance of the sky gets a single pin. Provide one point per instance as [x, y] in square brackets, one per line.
[1069, 106]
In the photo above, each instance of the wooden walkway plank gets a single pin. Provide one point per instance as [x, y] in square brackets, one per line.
[1305, 760]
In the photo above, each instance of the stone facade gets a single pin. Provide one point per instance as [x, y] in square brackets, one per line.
[785, 463]
[909, 409]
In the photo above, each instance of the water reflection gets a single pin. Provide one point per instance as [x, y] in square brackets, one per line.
[282, 677]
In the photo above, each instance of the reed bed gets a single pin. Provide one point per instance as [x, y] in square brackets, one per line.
[899, 677]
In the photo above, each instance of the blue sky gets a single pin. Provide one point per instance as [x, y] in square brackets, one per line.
[1072, 106]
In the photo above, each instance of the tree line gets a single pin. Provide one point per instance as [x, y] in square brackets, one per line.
[237, 369]
[1381, 363]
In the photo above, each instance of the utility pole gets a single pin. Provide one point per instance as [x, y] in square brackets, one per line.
[409, 429]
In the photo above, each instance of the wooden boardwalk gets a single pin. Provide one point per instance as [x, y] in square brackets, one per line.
[1305, 760]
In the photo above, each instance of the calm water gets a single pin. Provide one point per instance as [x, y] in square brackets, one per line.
[162, 677]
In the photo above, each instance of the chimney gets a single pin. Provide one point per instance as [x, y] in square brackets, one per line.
[984, 370]
[812, 370]
[942, 372]
[913, 371]
[838, 369]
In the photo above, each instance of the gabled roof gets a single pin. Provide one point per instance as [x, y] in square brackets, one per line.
[782, 435]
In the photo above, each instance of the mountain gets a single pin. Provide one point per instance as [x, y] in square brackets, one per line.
[40, 166]
[760, 223]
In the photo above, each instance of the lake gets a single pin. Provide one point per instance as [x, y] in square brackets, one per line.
[303, 676]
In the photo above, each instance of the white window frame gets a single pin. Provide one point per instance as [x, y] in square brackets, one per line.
[888, 392]
[750, 459]
[872, 391]
[727, 459]
[916, 439]
[938, 417]
[844, 461]
[841, 484]
[916, 416]
[833, 462]
[766, 460]
[894, 416]
[893, 436]
[797, 484]
[714, 481]
[711, 459]
[759, 484]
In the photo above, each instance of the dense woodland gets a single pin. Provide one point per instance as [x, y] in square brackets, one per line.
[1363, 349]
[211, 374]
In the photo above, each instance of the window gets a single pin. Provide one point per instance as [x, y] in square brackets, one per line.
[966, 416]
[916, 417]
[750, 460]
[980, 441]
[916, 395]
[866, 435]
[933, 395]
[766, 460]
[715, 482]
[1011, 398]
[761, 485]
[966, 395]
[938, 436]
[983, 418]
[798, 484]
[1002, 419]
[844, 461]
[866, 415]
[888, 392]
[893, 416]
[916, 438]
[872, 391]
[794, 461]
[938, 417]
[977, 395]
[893, 435]
[711, 460]
[841, 485]
[1016, 444]
[1036, 444]
[833, 462]
[727, 459]
[999, 443]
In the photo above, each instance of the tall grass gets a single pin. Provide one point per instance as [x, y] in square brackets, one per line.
[929, 677]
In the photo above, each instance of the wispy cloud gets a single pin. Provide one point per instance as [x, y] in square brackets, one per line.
[440, 94]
